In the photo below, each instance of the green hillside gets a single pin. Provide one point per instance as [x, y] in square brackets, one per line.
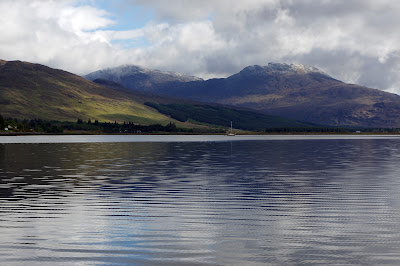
[35, 91]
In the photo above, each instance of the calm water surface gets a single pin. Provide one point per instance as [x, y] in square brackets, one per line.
[195, 200]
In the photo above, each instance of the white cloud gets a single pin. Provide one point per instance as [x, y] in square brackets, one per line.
[52, 33]
[356, 41]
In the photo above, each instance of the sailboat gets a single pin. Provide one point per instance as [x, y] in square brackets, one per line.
[231, 132]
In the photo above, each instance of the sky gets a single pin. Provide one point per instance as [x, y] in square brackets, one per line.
[356, 41]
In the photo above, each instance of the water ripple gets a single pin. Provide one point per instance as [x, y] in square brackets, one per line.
[308, 201]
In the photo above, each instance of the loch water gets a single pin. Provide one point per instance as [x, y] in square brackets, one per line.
[200, 200]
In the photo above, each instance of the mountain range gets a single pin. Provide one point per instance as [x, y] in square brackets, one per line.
[275, 95]
[294, 91]
[34, 91]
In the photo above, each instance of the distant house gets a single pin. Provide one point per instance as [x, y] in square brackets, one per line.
[9, 127]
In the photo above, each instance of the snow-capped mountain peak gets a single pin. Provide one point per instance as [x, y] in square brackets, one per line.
[119, 73]
[281, 68]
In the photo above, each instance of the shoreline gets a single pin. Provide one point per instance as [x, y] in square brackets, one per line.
[2, 134]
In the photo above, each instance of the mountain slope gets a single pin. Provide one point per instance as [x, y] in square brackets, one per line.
[187, 110]
[295, 91]
[223, 115]
[35, 91]
[313, 96]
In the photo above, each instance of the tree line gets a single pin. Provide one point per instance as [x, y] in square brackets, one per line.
[46, 126]
[57, 127]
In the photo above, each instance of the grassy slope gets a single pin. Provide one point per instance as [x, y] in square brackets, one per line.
[222, 115]
[35, 91]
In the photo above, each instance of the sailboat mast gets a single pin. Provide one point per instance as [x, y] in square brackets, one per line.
[231, 133]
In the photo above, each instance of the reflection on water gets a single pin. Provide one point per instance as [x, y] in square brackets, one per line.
[244, 202]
